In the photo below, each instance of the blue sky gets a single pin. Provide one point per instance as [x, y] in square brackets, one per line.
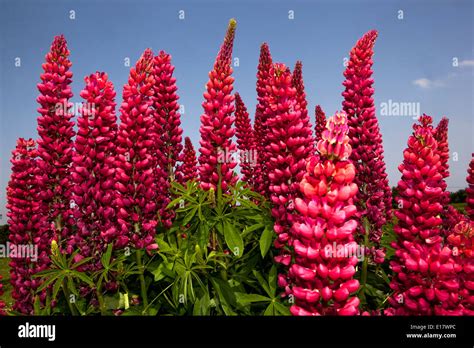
[413, 57]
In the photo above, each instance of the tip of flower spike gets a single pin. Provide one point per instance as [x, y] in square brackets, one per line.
[59, 41]
[232, 24]
[425, 120]
[335, 141]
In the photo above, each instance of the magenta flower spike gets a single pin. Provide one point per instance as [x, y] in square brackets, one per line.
[136, 165]
[419, 256]
[470, 190]
[27, 225]
[260, 130]
[320, 122]
[245, 141]
[375, 197]
[321, 278]
[93, 170]
[187, 170]
[216, 160]
[287, 152]
[55, 144]
[167, 123]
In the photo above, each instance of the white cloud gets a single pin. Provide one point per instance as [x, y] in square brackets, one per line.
[466, 63]
[427, 83]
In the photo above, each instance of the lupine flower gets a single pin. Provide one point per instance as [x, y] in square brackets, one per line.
[297, 81]
[27, 225]
[187, 170]
[55, 145]
[245, 141]
[461, 240]
[216, 162]
[287, 147]
[470, 190]
[167, 123]
[419, 256]
[93, 172]
[136, 164]
[375, 198]
[322, 276]
[260, 130]
[320, 122]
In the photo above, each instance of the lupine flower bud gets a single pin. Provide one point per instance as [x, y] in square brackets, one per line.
[375, 197]
[27, 225]
[187, 170]
[55, 145]
[135, 162]
[260, 129]
[216, 163]
[287, 152]
[167, 123]
[322, 276]
[470, 190]
[320, 122]
[93, 171]
[245, 141]
[418, 250]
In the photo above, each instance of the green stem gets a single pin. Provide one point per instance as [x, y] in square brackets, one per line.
[101, 300]
[365, 264]
[141, 269]
[72, 308]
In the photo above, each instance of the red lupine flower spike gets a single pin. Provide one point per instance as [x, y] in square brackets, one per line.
[27, 225]
[321, 279]
[93, 172]
[260, 130]
[320, 122]
[55, 145]
[136, 165]
[418, 265]
[297, 81]
[245, 141]
[187, 171]
[167, 123]
[375, 197]
[287, 146]
[216, 160]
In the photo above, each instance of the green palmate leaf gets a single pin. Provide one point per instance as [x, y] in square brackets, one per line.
[105, 259]
[272, 280]
[189, 216]
[245, 299]
[263, 283]
[270, 309]
[233, 239]
[266, 240]
[281, 309]
[84, 278]
[57, 286]
[49, 281]
[81, 262]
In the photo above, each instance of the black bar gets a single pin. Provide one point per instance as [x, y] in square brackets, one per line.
[290, 331]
